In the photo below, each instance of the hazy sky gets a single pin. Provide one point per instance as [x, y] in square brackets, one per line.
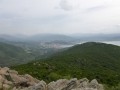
[59, 16]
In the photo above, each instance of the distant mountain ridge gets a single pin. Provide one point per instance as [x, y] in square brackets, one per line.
[51, 37]
[97, 37]
[37, 38]
[61, 37]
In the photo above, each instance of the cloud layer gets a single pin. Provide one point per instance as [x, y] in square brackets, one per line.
[59, 16]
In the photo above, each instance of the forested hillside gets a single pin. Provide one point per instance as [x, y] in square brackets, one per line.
[12, 55]
[91, 60]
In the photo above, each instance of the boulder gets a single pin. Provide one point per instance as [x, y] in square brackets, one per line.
[74, 84]
[1, 85]
[1, 79]
[40, 86]
[18, 79]
[31, 81]
[58, 85]
[6, 87]
[82, 83]
[11, 80]
[12, 72]
[71, 84]
[8, 82]
[4, 71]
[93, 84]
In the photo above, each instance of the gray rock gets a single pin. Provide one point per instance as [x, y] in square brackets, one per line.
[72, 84]
[40, 86]
[93, 84]
[82, 83]
[58, 85]
[6, 87]
[12, 72]
[1, 79]
[11, 80]
[4, 71]
[1, 85]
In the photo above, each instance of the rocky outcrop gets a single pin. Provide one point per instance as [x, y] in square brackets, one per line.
[11, 80]
[74, 84]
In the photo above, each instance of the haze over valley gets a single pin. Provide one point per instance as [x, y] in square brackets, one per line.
[59, 45]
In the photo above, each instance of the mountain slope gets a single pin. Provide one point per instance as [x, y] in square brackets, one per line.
[91, 60]
[11, 55]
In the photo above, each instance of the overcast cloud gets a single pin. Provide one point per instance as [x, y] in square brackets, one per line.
[59, 16]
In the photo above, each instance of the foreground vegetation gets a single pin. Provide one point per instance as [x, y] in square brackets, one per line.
[91, 60]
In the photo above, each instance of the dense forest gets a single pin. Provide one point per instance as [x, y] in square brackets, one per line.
[12, 55]
[91, 60]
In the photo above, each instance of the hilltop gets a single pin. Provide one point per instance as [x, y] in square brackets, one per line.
[91, 60]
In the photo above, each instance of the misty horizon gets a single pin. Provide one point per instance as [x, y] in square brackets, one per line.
[29, 17]
[73, 34]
